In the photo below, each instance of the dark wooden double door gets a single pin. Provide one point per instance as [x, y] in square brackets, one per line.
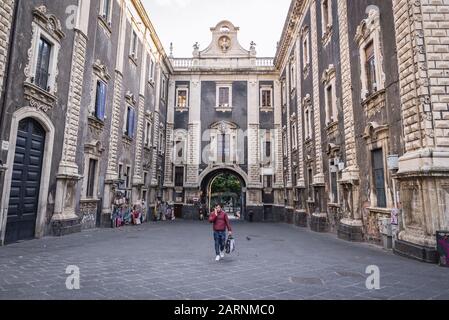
[25, 182]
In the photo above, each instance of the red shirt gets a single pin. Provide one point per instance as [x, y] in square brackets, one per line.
[220, 221]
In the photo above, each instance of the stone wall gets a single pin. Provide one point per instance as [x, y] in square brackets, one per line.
[6, 17]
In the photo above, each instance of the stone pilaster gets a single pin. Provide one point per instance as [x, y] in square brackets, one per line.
[6, 14]
[318, 179]
[423, 55]
[300, 183]
[169, 156]
[253, 134]
[194, 142]
[64, 219]
[194, 136]
[156, 132]
[114, 134]
[253, 155]
[138, 176]
[289, 145]
[351, 223]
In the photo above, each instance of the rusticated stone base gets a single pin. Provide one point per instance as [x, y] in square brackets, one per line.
[301, 219]
[105, 220]
[271, 213]
[64, 227]
[289, 215]
[254, 214]
[414, 251]
[350, 233]
[319, 223]
[190, 212]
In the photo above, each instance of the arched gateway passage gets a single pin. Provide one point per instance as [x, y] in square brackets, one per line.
[225, 186]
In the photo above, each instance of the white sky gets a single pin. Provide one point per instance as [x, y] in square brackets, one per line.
[185, 22]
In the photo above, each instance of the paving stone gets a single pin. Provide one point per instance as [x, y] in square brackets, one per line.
[179, 264]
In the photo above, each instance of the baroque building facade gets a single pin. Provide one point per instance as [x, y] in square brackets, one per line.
[83, 108]
[223, 118]
[365, 118]
[348, 123]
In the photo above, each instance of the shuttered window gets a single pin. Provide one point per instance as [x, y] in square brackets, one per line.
[130, 122]
[43, 64]
[379, 177]
[100, 102]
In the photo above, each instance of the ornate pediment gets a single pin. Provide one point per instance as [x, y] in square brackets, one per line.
[368, 25]
[130, 98]
[328, 74]
[224, 43]
[224, 126]
[49, 22]
[101, 70]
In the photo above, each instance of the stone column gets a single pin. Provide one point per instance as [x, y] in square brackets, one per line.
[423, 176]
[156, 129]
[279, 160]
[64, 219]
[138, 155]
[169, 141]
[351, 225]
[194, 135]
[254, 187]
[115, 131]
[319, 217]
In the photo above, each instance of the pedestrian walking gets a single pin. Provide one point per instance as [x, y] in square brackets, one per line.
[220, 222]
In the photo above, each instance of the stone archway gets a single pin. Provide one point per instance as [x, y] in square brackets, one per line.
[208, 176]
[47, 125]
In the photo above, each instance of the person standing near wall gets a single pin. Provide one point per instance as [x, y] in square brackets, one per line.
[220, 222]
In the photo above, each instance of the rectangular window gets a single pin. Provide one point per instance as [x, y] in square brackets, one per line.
[267, 98]
[106, 10]
[161, 143]
[310, 178]
[329, 105]
[326, 10]
[163, 88]
[148, 134]
[130, 122]
[268, 181]
[179, 145]
[43, 64]
[134, 42]
[223, 97]
[100, 101]
[151, 69]
[223, 147]
[91, 178]
[307, 123]
[179, 176]
[293, 76]
[371, 68]
[333, 168]
[128, 177]
[294, 134]
[305, 50]
[182, 98]
[284, 141]
[145, 178]
[268, 145]
[379, 177]
[120, 172]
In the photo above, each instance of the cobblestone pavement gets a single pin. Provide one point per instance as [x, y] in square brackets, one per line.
[175, 260]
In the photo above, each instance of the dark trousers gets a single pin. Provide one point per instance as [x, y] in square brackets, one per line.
[220, 241]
